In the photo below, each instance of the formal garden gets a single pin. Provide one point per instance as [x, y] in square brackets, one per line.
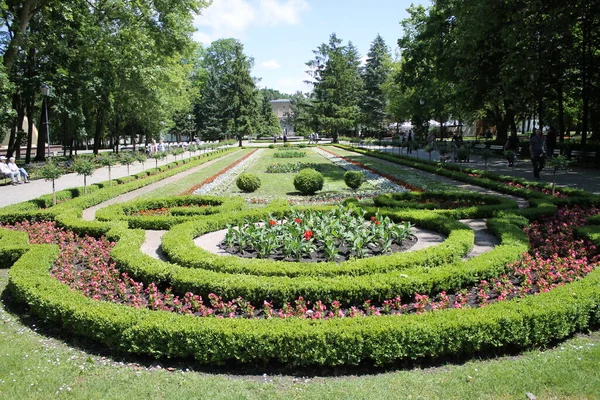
[317, 275]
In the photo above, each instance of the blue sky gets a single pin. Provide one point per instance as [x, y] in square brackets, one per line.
[281, 34]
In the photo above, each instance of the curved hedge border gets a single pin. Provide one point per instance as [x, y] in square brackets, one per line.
[520, 323]
[414, 200]
[178, 244]
[121, 212]
[350, 290]
[526, 322]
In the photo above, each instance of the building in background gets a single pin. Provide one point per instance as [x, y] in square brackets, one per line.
[282, 108]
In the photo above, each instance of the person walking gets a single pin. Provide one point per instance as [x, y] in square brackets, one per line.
[537, 149]
[409, 142]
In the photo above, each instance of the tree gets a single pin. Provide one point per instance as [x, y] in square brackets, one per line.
[85, 167]
[50, 171]
[108, 160]
[269, 122]
[336, 86]
[375, 74]
[237, 91]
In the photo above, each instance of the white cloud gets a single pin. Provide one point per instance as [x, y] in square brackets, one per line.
[275, 12]
[231, 18]
[270, 64]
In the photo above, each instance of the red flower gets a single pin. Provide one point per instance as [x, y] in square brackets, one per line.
[308, 235]
[373, 218]
[272, 222]
[297, 220]
[377, 222]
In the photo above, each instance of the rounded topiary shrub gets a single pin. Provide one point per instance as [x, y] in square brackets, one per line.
[248, 183]
[354, 179]
[308, 181]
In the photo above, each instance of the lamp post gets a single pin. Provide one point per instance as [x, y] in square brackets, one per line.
[45, 91]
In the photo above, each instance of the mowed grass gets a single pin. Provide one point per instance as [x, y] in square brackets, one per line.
[282, 184]
[35, 366]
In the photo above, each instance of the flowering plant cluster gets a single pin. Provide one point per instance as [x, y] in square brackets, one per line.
[537, 189]
[556, 257]
[289, 167]
[304, 232]
[162, 211]
[212, 181]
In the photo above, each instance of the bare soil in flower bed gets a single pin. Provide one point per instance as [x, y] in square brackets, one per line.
[344, 254]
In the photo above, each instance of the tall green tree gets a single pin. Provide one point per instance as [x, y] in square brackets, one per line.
[374, 75]
[337, 86]
[229, 98]
[269, 124]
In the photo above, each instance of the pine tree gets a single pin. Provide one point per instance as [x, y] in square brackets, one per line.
[373, 99]
[336, 86]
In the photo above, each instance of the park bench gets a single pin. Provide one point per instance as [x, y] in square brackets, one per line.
[584, 156]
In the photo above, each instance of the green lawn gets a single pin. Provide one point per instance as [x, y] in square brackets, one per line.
[280, 185]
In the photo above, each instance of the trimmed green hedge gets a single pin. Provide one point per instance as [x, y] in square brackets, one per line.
[523, 323]
[349, 289]
[520, 323]
[203, 205]
[178, 245]
[413, 200]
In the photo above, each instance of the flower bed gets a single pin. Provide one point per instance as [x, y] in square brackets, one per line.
[289, 167]
[306, 331]
[221, 178]
[289, 154]
[338, 234]
[84, 264]
[360, 166]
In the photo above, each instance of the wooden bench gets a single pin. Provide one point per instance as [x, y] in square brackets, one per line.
[585, 156]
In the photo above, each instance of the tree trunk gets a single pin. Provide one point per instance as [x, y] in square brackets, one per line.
[98, 130]
[42, 131]
[561, 113]
[23, 15]
[17, 125]
[20, 133]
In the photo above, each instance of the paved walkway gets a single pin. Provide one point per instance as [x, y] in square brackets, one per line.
[38, 187]
[580, 178]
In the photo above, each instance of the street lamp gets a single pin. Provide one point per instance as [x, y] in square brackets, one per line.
[45, 91]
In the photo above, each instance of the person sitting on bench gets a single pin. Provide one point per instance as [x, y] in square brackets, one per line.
[7, 173]
[19, 170]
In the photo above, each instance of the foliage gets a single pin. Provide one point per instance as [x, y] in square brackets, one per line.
[85, 167]
[247, 183]
[286, 153]
[50, 171]
[308, 181]
[336, 86]
[375, 74]
[354, 179]
[290, 167]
